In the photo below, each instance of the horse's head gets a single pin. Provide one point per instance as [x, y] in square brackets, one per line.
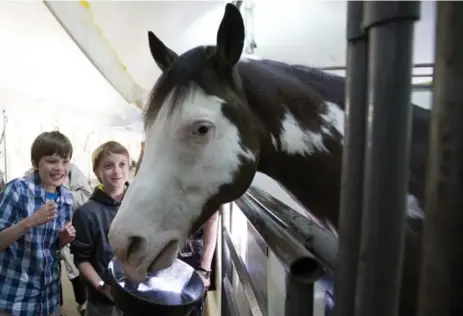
[202, 150]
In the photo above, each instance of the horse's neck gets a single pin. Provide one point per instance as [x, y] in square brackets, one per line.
[314, 181]
[301, 135]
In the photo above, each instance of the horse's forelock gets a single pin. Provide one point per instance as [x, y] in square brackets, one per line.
[171, 96]
[176, 82]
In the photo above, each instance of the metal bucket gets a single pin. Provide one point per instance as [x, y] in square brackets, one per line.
[170, 292]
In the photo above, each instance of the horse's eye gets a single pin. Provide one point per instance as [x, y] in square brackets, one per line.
[201, 130]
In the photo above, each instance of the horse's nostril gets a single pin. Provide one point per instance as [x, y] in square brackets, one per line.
[135, 245]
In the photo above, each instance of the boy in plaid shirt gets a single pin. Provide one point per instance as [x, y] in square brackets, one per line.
[35, 214]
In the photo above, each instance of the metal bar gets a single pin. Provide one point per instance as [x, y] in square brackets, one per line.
[390, 33]
[299, 297]
[297, 260]
[230, 303]
[225, 262]
[5, 154]
[422, 75]
[255, 302]
[260, 242]
[419, 65]
[422, 86]
[276, 290]
[350, 219]
[442, 265]
[319, 241]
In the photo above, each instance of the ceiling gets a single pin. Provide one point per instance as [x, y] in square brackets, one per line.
[40, 62]
[295, 31]
[43, 61]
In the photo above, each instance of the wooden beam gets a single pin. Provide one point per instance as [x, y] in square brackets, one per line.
[78, 21]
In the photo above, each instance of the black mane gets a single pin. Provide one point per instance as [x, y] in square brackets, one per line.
[177, 81]
[188, 69]
[329, 86]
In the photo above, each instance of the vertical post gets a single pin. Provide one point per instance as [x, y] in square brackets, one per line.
[390, 33]
[442, 266]
[225, 262]
[353, 162]
[299, 297]
[5, 121]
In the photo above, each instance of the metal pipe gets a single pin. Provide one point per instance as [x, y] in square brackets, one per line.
[232, 306]
[318, 240]
[225, 262]
[5, 154]
[350, 218]
[422, 75]
[418, 65]
[422, 86]
[390, 27]
[256, 303]
[299, 297]
[297, 260]
[441, 287]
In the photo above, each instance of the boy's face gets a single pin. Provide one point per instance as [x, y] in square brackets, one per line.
[114, 171]
[53, 171]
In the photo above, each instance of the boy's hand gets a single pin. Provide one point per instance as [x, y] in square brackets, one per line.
[44, 215]
[106, 290]
[67, 234]
[205, 277]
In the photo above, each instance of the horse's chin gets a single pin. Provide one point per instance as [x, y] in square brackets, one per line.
[134, 276]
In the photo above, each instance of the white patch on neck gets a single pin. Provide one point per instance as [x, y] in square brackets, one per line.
[246, 57]
[334, 117]
[274, 141]
[414, 209]
[294, 140]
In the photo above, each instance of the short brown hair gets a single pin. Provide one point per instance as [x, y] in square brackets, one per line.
[105, 150]
[49, 144]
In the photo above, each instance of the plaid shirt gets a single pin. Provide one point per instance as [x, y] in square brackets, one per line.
[29, 268]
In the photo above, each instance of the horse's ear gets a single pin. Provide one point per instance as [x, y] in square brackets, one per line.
[230, 37]
[162, 55]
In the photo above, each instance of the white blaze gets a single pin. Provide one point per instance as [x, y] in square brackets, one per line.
[178, 176]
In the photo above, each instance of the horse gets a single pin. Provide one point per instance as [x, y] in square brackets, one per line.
[213, 119]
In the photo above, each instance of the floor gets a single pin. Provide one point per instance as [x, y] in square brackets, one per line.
[69, 305]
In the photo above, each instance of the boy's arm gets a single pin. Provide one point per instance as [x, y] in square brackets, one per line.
[10, 229]
[9, 235]
[210, 242]
[89, 273]
[67, 232]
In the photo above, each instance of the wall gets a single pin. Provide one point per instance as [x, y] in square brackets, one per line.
[27, 117]
[47, 83]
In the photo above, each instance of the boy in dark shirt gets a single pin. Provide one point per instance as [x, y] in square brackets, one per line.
[92, 220]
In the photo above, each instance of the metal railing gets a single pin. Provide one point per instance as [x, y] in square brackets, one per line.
[418, 65]
[291, 251]
[415, 86]
[277, 267]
